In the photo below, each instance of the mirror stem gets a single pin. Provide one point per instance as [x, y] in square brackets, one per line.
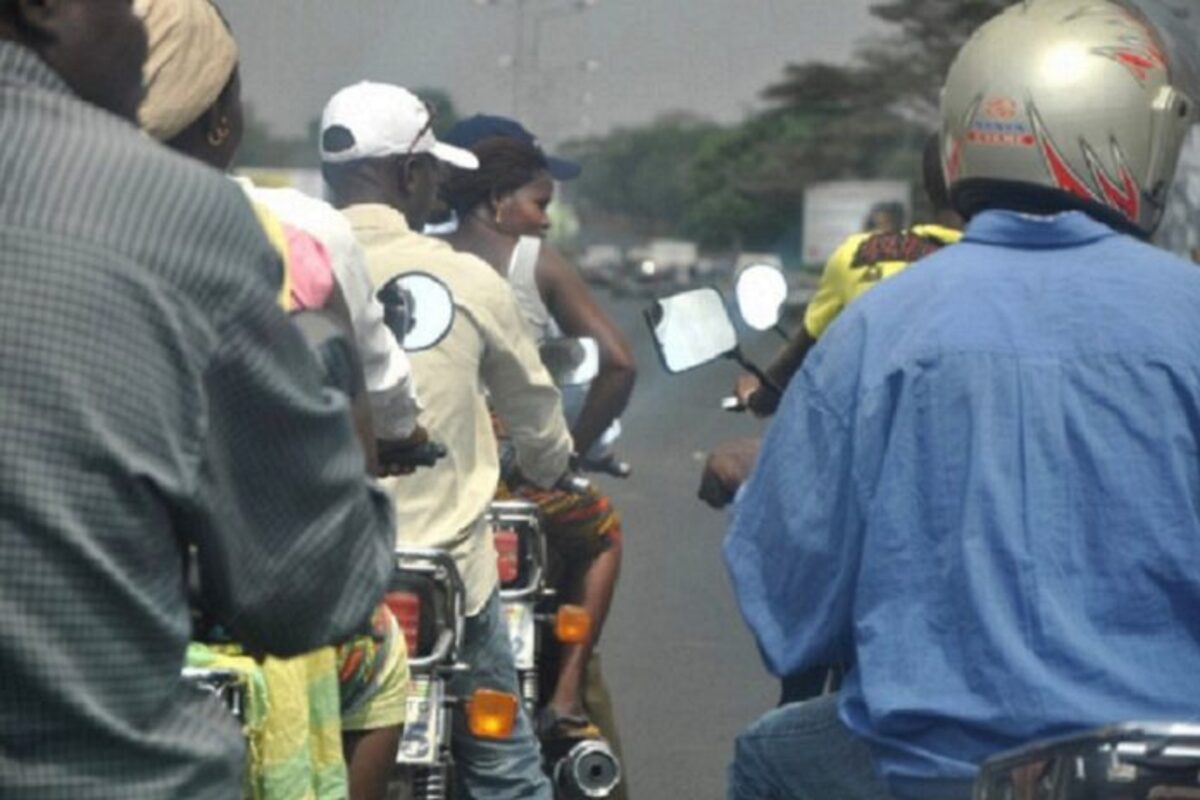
[753, 369]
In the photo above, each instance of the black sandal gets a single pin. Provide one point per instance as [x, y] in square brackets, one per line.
[552, 726]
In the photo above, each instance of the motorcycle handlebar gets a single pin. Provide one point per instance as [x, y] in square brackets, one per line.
[425, 454]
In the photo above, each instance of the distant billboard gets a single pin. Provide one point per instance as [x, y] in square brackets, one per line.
[837, 209]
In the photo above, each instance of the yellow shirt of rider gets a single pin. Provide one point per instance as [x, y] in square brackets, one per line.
[864, 260]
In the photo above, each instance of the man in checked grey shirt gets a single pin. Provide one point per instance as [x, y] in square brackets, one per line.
[151, 396]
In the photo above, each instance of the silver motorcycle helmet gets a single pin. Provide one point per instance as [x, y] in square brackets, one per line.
[1065, 104]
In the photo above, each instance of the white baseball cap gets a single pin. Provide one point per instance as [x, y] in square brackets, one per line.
[375, 120]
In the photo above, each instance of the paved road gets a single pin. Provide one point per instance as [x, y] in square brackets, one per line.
[684, 671]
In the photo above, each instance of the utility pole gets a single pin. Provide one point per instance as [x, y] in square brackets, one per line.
[519, 59]
[525, 62]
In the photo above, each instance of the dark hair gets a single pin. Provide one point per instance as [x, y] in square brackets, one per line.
[891, 209]
[932, 175]
[505, 165]
[9, 13]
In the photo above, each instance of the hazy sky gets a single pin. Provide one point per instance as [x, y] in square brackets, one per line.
[710, 57]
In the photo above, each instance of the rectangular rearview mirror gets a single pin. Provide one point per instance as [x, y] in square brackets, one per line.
[691, 329]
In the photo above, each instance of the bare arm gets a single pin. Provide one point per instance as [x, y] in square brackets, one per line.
[577, 313]
[824, 306]
[787, 362]
[728, 467]
[520, 389]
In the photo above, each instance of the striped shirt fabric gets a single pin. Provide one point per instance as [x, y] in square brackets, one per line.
[152, 396]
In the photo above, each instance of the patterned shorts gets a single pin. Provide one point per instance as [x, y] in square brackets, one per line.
[579, 526]
[373, 676]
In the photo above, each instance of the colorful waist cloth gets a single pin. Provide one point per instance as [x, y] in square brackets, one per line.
[579, 526]
[373, 676]
[366, 663]
[293, 722]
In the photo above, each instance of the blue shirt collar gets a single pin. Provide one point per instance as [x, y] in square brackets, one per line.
[1027, 231]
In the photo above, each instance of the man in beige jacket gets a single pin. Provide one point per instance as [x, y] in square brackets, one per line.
[380, 160]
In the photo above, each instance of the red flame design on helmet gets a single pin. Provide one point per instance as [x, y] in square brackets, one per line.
[1140, 58]
[1127, 197]
[1064, 177]
[1122, 194]
[1140, 53]
[953, 165]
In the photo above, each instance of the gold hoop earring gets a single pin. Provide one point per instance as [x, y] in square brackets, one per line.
[220, 135]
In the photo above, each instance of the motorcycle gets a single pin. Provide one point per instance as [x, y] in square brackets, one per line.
[1130, 761]
[578, 770]
[427, 597]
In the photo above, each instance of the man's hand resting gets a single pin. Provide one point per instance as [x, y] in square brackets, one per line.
[395, 454]
[727, 468]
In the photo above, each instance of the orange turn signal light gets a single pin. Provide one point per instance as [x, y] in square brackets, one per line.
[491, 714]
[572, 624]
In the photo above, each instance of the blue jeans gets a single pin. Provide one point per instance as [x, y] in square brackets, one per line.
[494, 770]
[803, 751]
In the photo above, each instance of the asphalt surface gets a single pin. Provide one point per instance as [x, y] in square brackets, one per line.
[683, 669]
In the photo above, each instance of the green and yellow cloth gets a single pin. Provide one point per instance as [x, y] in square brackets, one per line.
[293, 722]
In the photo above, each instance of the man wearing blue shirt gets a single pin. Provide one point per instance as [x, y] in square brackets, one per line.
[983, 488]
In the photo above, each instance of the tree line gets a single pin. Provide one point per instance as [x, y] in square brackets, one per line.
[741, 186]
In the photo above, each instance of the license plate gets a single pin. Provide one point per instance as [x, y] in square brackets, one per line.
[522, 634]
[422, 738]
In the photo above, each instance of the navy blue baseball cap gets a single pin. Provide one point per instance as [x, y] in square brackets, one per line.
[471, 131]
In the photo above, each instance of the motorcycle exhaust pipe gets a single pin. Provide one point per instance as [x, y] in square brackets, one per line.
[589, 771]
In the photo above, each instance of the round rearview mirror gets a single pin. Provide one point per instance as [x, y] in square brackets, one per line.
[571, 362]
[419, 310]
[691, 329]
[760, 290]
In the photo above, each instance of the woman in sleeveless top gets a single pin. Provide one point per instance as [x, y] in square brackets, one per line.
[502, 217]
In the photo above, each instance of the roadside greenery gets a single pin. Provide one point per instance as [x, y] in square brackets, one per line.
[741, 187]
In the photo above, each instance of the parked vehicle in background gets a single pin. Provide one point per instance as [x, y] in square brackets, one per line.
[665, 260]
[601, 263]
